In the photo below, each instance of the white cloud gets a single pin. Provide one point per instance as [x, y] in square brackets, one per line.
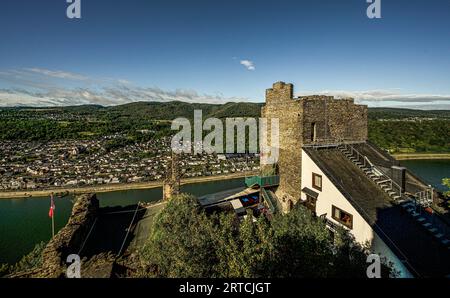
[107, 96]
[389, 95]
[43, 87]
[37, 87]
[248, 64]
[58, 74]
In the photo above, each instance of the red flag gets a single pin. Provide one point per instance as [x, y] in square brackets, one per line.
[52, 207]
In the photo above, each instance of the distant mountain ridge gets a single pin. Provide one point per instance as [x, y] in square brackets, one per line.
[174, 109]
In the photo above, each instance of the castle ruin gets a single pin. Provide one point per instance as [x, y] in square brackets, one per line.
[308, 120]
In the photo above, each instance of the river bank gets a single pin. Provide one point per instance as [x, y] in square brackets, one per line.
[25, 222]
[115, 187]
[423, 156]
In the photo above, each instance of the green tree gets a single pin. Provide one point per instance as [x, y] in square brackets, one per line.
[180, 243]
[446, 182]
[28, 262]
[187, 242]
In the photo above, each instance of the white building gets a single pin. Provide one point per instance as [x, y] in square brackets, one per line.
[345, 192]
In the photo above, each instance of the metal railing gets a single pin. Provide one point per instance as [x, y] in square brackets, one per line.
[424, 198]
[359, 157]
[322, 143]
[262, 181]
[268, 199]
[366, 163]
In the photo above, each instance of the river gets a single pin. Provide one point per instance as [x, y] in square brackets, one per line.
[431, 170]
[25, 222]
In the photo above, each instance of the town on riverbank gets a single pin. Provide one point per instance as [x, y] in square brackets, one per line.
[116, 187]
[71, 149]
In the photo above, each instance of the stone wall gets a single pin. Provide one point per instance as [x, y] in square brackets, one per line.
[70, 238]
[306, 120]
[280, 105]
[335, 120]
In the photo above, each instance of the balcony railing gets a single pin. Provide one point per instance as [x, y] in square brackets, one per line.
[262, 181]
[269, 200]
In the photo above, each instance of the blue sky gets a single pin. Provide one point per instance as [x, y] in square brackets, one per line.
[218, 51]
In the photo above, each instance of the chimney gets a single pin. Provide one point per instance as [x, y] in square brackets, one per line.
[399, 176]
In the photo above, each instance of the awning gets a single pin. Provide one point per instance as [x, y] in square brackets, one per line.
[236, 204]
[310, 192]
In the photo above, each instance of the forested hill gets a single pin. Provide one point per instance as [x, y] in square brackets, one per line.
[399, 130]
[174, 109]
[393, 113]
[144, 110]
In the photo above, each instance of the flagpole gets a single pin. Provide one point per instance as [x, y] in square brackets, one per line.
[53, 225]
[52, 213]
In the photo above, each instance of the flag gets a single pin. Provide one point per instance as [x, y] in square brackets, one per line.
[52, 207]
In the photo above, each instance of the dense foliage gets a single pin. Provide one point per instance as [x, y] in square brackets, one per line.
[28, 262]
[186, 242]
[406, 114]
[47, 129]
[446, 182]
[408, 136]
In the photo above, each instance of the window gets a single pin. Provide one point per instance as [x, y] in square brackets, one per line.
[311, 203]
[343, 217]
[317, 181]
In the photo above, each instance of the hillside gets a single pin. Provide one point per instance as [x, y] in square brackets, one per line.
[399, 130]
[393, 113]
[174, 109]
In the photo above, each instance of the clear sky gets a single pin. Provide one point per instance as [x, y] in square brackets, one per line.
[218, 51]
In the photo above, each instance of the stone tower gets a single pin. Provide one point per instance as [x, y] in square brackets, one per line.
[171, 185]
[308, 120]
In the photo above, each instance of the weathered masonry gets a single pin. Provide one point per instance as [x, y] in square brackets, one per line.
[171, 185]
[309, 120]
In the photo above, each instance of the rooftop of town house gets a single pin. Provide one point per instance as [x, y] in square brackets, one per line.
[222, 196]
[362, 193]
[423, 254]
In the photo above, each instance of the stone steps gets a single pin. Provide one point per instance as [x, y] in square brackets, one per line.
[383, 184]
[382, 181]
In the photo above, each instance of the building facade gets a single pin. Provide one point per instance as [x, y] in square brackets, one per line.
[308, 120]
